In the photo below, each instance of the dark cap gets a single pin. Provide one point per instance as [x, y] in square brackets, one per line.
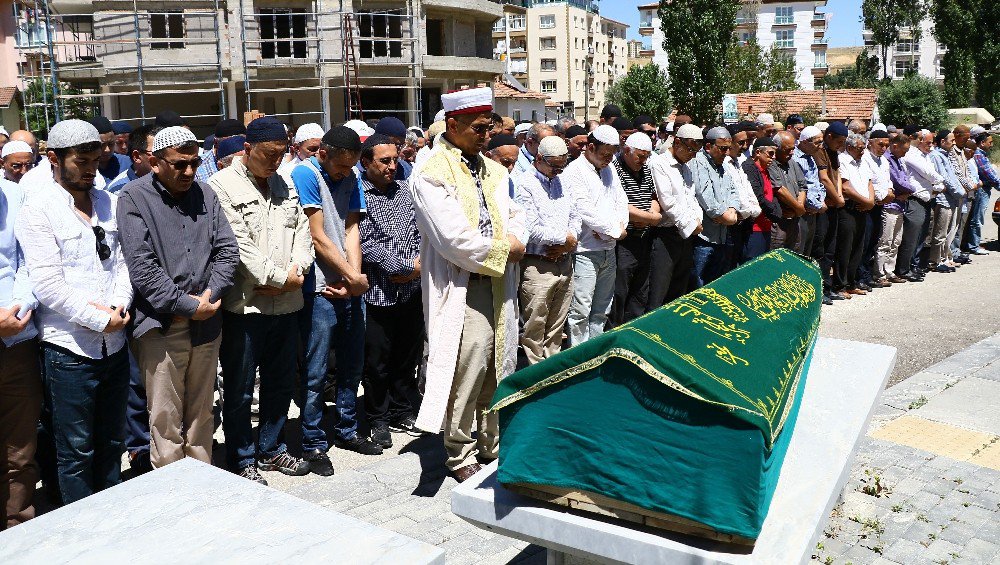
[941, 136]
[372, 141]
[230, 145]
[622, 124]
[391, 126]
[267, 128]
[169, 118]
[794, 119]
[765, 141]
[500, 141]
[611, 111]
[911, 129]
[575, 130]
[120, 128]
[837, 128]
[102, 124]
[230, 127]
[342, 137]
[643, 119]
[878, 134]
[746, 125]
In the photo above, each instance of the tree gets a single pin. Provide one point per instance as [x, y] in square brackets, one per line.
[886, 20]
[987, 71]
[952, 21]
[913, 100]
[864, 74]
[751, 69]
[39, 106]
[698, 40]
[641, 91]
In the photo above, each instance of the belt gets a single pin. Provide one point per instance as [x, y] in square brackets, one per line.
[478, 277]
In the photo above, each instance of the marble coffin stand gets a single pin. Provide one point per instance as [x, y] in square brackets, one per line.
[844, 382]
[190, 512]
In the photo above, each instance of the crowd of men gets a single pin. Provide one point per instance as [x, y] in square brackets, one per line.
[134, 263]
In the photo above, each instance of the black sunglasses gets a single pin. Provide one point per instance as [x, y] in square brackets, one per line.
[103, 251]
[181, 166]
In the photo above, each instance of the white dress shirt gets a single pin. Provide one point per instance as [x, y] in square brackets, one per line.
[60, 250]
[925, 180]
[853, 171]
[549, 211]
[877, 169]
[15, 288]
[600, 201]
[674, 182]
[41, 174]
[749, 206]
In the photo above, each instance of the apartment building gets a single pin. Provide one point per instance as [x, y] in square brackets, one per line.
[796, 28]
[564, 49]
[300, 60]
[923, 55]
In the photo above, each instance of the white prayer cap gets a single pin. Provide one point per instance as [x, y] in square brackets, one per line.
[977, 131]
[439, 117]
[359, 127]
[639, 141]
[308, 131]
[552, 146]
[419, 131]
[3, 131]
[765, 119]
[718, 132]
[436, 129]
[809, 132]
[878, 127]
[71, 133]
[521, 128]
[822, 126]
[172, 136]
[607, 134]
[15, 146]
[468, 101]
[690, 131]
[551, 122]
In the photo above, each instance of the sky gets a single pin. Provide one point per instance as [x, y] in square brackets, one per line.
[845, 24]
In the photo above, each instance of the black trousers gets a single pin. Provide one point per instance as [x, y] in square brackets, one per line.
[671, 261]
[915, 222]
[394, 342]
[869, 245]
[631, 279]
[850, 237]
[825, 244]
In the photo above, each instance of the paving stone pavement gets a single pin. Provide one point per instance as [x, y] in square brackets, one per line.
[904, 505]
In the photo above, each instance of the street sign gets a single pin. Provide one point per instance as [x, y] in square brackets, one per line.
[729, 113]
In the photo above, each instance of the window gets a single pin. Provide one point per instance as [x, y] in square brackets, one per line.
[576, 43]
[820, 59]
[547, 43]
[548, 64]
[903, 66]
[518, 22]
[548, 86]
[647, 19]
[382, 25]
[547, 21]
[435, 37]
[277, 26]
[783, 15]
[167, 26]
[905, 46]
[784, 39]
[516, 116]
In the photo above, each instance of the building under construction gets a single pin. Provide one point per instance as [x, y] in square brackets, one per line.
[304, 61]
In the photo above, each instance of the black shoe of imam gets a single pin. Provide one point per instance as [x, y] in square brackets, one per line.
[359, 445]
[319, 463]
[251, 473]
[381, 437]
[406, 425]
[284, 463]
[963, 259]
[827, 300]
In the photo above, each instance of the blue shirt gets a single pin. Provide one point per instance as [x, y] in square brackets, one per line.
[525, 162]
[309, 196]
[550, 212]
[116, 165]
[815, 191]
[208, 167]
[121, 180]
[15, 288]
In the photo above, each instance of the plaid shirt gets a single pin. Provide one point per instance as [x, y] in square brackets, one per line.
[390, 243]
[208, 167]
[986, 172]
[485, 223]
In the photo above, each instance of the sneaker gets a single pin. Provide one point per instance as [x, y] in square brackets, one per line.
[381, 437]
[406, 425]
[284, 463]
[978, 251]
[319, 463]
[251, 473]
[359, 445]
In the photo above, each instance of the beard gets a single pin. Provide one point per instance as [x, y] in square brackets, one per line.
[74, 182]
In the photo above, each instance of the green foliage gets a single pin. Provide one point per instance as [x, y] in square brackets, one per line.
[641, 91]
[912, 100]
[810, 114]
[698, 39]
[39, 91]
[986, 33]
[751, 69]
[952, 21]
[886, 20]
[864, 74]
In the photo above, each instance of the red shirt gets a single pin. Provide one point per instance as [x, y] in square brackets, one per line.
[762, 223]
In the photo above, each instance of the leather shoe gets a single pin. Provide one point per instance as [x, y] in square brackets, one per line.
[942, 268]
[896, 279]
[827, 301]
[864, 286]
[913, 278]
[856, 291]
[462, 474]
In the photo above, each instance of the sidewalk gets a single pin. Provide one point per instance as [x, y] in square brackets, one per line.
[925, 485]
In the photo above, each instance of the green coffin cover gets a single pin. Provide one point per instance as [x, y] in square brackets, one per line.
[687, 410]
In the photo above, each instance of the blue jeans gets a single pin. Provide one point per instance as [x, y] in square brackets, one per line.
[340, 322]
[136, 411]
[250, 341]
[594, 274]
[974, 229]
[87, 398]
[756, 243]
[710, 262]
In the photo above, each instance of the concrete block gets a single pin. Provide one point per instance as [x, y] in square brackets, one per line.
[977, 551]
[952, 406]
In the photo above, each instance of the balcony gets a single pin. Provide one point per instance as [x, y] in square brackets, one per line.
[784, 44]
[820, 42]
[477, 9]
[746, 20]
[590, 52]
[818, 20]
[784, 20]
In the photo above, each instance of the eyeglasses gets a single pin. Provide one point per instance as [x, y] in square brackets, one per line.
[508, 163]
[769, 152]
[481, 129]
[556, 168]
[103, 251]
[19, 166]
[181, 166]
[744, 143]
[725, 147]
[386, 160]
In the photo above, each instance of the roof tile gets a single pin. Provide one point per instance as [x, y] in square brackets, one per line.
[848, 103]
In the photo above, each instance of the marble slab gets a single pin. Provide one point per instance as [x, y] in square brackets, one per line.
[190, 512]
[844, 383]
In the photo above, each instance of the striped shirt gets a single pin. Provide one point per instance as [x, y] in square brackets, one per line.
[390, 243]
[639, 189]
[485, 223]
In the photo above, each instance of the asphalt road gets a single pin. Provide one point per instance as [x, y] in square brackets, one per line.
[926, 321]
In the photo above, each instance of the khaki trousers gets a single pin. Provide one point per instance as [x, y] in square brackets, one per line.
[545, 294]
[888, 244]
[940, 246]
[20, 406]
[180, 388]
[474, 384]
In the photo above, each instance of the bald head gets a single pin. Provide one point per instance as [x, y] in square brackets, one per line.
[27, 137]
[785, 140]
